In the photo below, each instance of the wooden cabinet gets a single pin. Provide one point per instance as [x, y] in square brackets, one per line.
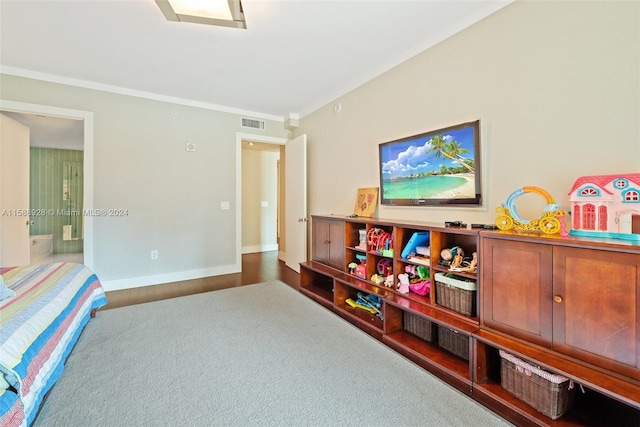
[568, 305]
[584, 303]
[517, 289]
[596, 308]
[328, 242]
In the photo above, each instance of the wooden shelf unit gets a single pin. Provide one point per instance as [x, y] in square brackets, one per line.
[608, 387]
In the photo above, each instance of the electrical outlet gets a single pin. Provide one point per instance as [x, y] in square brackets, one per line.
[154, 254]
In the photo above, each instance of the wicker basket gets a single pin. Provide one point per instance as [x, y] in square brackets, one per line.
[455, 294]
[551, 394]
[452, 341]
[419, 326]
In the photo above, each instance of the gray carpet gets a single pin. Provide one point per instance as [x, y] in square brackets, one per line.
[261, 354]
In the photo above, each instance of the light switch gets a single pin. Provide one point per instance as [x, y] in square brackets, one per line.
[224, 206]
[265, 204]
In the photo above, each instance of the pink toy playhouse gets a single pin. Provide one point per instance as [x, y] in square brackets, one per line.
[606, 206]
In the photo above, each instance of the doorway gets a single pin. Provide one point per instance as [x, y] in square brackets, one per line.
[292, 245]
[260, 196]
[83, 235]
[267, 143]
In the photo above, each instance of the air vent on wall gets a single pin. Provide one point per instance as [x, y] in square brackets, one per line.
[252, 123]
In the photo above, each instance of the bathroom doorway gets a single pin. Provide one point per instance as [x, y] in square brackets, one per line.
[60, 175]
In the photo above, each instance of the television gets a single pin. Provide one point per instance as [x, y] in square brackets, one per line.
[436, 168]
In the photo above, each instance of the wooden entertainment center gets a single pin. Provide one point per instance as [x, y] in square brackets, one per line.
[568, 305]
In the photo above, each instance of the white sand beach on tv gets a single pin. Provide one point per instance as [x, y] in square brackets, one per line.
[466, 190]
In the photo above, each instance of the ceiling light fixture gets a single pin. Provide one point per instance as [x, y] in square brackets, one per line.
[225, 13]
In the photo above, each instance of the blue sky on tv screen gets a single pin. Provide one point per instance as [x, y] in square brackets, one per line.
[410, 157]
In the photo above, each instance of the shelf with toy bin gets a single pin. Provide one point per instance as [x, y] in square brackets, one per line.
[505, 382]
[456, 293]
[413, 329]
[361, 303]
[454, 266]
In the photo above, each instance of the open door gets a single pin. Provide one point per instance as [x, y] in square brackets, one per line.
[296, 202]
[14, 193]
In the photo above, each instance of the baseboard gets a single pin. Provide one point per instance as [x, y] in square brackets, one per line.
[259, 248]
[158, 279]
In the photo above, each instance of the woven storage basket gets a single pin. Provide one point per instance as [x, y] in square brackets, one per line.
[551, 394]
[453, 341]
[455, 294]
[419, 326]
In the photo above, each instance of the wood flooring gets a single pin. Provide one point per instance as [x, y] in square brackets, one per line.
[256, 268]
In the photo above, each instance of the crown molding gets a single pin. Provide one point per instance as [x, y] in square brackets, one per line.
[20, 72]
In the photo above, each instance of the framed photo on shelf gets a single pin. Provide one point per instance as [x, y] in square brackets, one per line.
[366, 202]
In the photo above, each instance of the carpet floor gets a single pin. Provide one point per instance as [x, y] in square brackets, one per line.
[260, 354]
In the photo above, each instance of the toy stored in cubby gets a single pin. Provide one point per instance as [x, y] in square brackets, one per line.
[418, 278]
[380, 242]
[359, 270]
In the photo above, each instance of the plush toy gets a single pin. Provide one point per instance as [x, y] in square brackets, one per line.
[403, 286]
[388, 281]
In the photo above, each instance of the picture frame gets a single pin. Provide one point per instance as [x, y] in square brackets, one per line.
[366, 202]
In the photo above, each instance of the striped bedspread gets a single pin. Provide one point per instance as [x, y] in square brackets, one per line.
[38, 329]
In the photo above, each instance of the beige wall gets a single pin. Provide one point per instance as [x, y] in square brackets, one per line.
[556, 86]
[172, 196]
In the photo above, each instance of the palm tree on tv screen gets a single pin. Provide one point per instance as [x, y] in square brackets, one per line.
[450, 149]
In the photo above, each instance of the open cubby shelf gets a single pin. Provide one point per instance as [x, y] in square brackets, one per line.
[462, 345]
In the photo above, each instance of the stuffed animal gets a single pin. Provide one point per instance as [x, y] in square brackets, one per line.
[388, 281]
[403, 286]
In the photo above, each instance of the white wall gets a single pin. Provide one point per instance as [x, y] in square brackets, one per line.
[172, 196]
[259, 184]
[556, 86]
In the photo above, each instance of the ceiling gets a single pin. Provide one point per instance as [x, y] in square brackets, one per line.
[294, 57]
[51, 132]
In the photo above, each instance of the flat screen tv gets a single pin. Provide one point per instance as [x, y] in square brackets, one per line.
[435, 168]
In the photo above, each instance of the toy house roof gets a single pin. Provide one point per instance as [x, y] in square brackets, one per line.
[602, 180]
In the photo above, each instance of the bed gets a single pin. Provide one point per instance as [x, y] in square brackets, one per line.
[43, 310]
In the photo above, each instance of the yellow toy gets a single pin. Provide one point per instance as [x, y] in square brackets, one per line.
[355, 304]
[549, 222]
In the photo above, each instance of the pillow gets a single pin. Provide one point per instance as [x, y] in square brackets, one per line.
[4, 291]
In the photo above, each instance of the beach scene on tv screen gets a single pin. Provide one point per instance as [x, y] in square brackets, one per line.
[433, 166]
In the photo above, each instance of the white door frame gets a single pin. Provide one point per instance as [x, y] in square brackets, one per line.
[87, 118]
[240, 136]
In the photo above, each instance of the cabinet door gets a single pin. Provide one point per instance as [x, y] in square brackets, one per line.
[595, 314]
[516, 289]
[328, 242]
[320, 240]
[336, 244]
